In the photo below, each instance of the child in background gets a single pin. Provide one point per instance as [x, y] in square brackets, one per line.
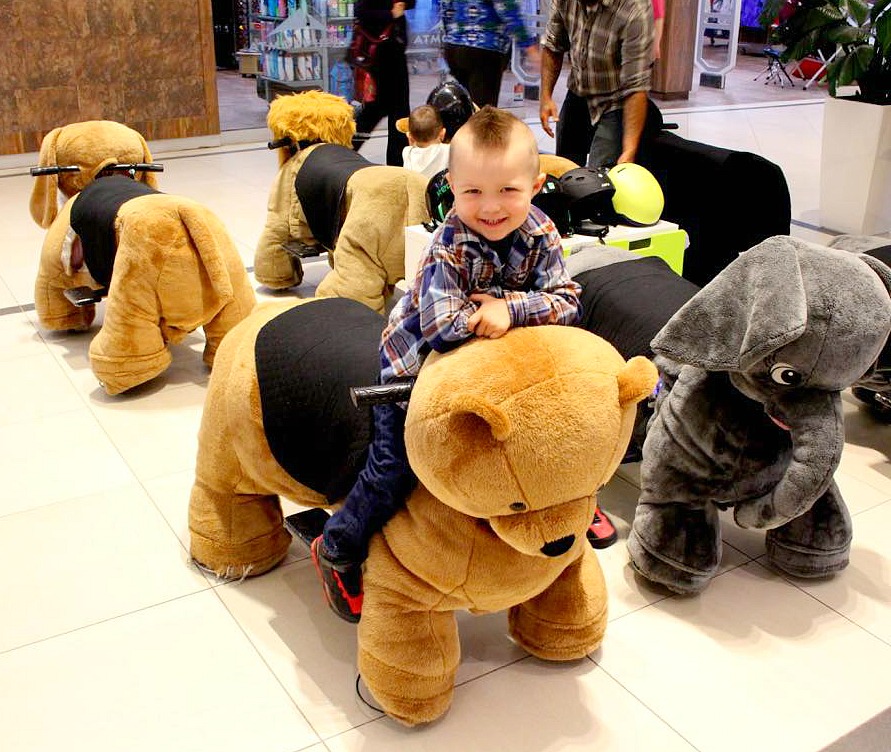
[496, 262]
[426, 153]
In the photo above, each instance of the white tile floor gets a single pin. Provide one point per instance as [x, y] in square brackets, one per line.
[110, 640]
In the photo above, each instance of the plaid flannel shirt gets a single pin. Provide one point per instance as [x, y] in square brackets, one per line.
[610, 45]
[433, 314]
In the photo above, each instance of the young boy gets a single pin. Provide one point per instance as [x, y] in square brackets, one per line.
[426, 153]
[496, 262]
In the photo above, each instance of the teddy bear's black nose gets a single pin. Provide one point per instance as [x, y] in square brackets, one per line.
[559, 546]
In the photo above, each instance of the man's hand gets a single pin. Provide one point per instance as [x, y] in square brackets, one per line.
[491, 319]
[547, 111]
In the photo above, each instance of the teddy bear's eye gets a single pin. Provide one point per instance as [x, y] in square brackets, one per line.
[518, 506]
[783, 373]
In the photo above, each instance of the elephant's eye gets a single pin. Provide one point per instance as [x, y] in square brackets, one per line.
[518, 506]
[783, 373]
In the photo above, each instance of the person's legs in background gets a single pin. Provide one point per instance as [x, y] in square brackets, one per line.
[574, 130]
[477, 70]
[368, 116]
[606, 145]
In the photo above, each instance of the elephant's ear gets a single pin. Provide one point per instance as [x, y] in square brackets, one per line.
[756, 305]
[44, 201]
[879, 264]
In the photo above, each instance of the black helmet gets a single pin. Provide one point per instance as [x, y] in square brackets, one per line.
[439, 198]
[554, 202]
[454, 105]
[589, 194]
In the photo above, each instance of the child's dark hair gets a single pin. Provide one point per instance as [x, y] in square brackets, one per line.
[424, 124]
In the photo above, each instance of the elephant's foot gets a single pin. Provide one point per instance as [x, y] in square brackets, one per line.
[816, 544]
[409, 698]
[118, 373]
[676, 546]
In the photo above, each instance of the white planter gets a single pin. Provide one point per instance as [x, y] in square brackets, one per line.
[855, 174]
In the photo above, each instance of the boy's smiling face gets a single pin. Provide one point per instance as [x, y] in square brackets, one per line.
[493, 188]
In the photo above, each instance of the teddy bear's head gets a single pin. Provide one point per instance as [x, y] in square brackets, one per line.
[311, 116]
[537, 423]
[90, 145]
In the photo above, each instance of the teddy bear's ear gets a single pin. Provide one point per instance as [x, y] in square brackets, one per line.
[637, 380]
[44, 204]
[498, 420]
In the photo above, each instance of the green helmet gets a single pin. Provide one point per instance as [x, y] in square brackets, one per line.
[638, 199]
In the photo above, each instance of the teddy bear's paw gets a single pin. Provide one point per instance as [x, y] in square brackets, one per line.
[406, 696]
[545, 637]
[411, 711]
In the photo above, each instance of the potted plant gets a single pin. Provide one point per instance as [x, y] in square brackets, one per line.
[855, 186]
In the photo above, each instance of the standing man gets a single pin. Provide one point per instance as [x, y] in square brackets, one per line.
[610, 44]
[476, 43]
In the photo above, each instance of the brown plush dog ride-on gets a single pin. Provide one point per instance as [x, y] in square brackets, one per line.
[91, 146]
[168, 266]
[328, 198]
[510, 438]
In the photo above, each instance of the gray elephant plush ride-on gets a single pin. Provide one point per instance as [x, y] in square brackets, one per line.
[749, 415]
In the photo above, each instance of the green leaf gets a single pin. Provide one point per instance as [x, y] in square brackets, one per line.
[882, 31]
[858, 10]
[878, 9]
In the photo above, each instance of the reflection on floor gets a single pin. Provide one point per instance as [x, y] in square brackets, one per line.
[110, 640]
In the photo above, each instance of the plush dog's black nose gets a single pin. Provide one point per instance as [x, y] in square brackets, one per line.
[559, 546]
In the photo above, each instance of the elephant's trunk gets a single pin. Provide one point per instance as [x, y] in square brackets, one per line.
[816, 426]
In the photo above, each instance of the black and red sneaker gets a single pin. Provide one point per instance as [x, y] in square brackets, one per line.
[341, 582]
[601, 533]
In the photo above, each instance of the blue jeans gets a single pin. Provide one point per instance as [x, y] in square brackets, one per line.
[606, 145]
[379, 491]
[594, 145]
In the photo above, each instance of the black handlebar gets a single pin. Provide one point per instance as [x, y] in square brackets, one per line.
[54, 170]
[279, 143]
[132, 167]
[365, 396]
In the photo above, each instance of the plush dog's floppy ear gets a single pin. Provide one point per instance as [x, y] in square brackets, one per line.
[208, 234]
[149, 178]
[44, 194]
[756, 305]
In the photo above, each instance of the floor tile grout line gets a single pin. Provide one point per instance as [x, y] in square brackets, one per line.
[293, 701]
[96, 623]
[644, 704]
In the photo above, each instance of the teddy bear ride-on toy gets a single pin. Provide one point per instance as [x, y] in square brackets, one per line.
[327, 198]
[510, 439]
[167, 265]
[749, 415]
